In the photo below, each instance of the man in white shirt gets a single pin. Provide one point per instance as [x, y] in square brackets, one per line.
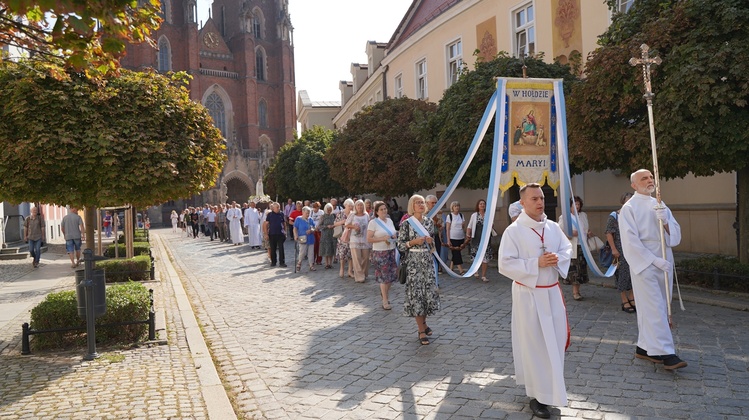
[534, 252]
[641, 244]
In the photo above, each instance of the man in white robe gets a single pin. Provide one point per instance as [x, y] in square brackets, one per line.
[234, 216]
[641, 245]
[252, 221]
[533, 253]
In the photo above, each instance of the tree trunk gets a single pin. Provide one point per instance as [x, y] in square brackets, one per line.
[89, 220]
[742, 213]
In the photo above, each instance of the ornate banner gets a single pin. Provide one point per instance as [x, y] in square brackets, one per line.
[529, 139]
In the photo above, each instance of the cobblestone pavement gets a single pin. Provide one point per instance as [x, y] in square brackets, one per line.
[312, 345]
[144, 382]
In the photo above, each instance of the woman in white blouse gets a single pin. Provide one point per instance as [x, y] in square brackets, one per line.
[456, 236]
[382, 235]
[357, 222]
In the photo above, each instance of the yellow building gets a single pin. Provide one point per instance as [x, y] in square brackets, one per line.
[436, 37]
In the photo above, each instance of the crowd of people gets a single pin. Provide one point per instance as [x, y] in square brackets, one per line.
[377, 239]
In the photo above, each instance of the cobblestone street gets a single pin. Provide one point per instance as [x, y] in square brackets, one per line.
[312, 345]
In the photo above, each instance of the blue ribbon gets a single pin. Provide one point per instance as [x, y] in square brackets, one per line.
[565, 192]
[390, 234]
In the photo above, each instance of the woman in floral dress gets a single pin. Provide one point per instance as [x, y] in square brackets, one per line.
[382, 235]
[421, 298]
[343, 252]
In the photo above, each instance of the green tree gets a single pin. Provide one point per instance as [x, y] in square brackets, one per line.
[136, 138]
[701, 91]
[378, 150]
[89, 35]
[446, 135]
[300, 170]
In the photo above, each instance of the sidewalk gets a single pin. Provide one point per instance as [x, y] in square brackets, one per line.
[161, 380]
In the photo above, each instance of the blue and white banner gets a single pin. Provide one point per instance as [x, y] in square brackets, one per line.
[531, 130]
[529, 139]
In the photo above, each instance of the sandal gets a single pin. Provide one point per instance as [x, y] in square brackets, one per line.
[484, 279]
[632, 305]
[423, 340]
[428, 331]
[628, 309]
[578, 297]
[299, 267]
[312, 268]
[386, 306]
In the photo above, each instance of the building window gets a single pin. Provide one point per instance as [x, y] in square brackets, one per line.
[378, 96]
[525, 31]
[421, 80]
[454, 62]
[166, 11]
[399, 86]
[259, 64]
[623, 6]
[262, 110]
[216, 109]
[257, 23]
[165, 55]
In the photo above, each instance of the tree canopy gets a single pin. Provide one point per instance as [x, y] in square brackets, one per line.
[378, 150]
[446, 135]
[701, 91]
[89, 35]
[136, 138]
[300, 169]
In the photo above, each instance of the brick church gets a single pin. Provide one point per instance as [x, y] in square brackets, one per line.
[242, 66]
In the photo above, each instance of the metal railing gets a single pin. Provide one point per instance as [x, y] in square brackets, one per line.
[151, 321]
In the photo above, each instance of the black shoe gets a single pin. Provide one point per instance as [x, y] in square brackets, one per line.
[272, 264]
[640, 353]
[539, 410]
[283, 265]
[672, 362]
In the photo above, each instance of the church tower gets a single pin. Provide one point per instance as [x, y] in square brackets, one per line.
[242, 65]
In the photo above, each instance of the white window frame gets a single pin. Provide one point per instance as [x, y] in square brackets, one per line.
[524, 30]
[422, 83]
[454, 53]
[398, 82]
[623, 6]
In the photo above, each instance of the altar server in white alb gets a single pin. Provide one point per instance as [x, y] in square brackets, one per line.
[534, 252]
[234, 216]
[252, 221]
[641, 243]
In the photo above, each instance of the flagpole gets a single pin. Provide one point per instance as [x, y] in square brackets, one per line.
[645, 60]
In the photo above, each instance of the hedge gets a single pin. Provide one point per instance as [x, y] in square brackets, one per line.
[139, 248]
[139, 236]
[732, 275]
[125, 302]
[119, 270]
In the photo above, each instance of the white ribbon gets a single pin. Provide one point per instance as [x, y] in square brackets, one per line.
[390, 238]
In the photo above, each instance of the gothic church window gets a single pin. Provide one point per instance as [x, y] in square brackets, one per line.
[165, 55]
[257, 23]
[262, 111]
[260, 63]
[217, 110]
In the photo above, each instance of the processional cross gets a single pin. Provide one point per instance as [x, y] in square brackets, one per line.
[646, 61]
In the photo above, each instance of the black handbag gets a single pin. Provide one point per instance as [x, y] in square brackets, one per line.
[403, 269]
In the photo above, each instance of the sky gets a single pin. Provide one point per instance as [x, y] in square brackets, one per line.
[329, 35]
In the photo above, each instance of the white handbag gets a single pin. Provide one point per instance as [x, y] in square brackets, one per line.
[595, 243]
